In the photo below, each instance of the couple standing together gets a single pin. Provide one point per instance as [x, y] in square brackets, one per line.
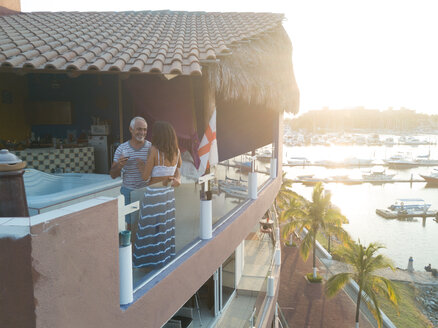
[155, 167]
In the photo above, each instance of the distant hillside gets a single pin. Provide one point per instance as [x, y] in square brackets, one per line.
[403, 120]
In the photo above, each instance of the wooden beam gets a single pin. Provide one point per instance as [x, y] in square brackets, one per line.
[209, 102]
[209, 106]
[119, 80]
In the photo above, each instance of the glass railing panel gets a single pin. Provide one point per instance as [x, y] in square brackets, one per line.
[260, 300]
[167, 233]
[282, 318]
[230, 188]
[263, 164]
[229, 191]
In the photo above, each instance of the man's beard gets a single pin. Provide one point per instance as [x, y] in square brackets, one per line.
[139, 138]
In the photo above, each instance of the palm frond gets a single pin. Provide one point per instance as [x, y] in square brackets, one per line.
[336, 283]
[372, 304]
[306, 246]
[387, 288]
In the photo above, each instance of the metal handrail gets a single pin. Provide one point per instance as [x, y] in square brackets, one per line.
[281, 318]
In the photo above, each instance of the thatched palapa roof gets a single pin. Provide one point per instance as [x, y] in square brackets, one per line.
[259, 72]
[250, 53]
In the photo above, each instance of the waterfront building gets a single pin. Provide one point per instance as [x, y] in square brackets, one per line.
[69, 76]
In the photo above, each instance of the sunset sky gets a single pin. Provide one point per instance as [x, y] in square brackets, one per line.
[347, 53]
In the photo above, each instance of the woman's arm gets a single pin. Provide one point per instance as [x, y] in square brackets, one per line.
[175, 181]
[146, 168]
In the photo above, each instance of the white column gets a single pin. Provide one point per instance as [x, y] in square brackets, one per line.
[125, 268]
[277, 256]
[252, 185]
[206, 224]
[270, 287]
[273, 168]
[277, 234]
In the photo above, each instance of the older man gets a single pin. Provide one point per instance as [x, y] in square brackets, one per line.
[125, 160]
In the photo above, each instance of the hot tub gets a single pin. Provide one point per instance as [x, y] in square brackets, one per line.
[46, 192]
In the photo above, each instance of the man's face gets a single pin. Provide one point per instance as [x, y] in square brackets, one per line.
[139, 131]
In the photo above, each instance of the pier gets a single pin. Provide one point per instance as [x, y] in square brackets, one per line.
[387, 214]
[335, 165]
[353, 181]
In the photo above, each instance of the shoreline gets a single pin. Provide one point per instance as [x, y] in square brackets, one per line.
[403, 275]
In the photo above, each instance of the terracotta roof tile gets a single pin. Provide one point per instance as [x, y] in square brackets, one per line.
[148, 41]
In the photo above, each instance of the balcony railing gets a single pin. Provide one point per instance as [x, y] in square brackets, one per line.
[229, 191]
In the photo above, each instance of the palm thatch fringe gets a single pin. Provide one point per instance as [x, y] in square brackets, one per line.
[259, 72]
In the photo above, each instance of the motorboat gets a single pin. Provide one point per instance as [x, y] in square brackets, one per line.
[409, 206]
[400, 161]
[377, 175]
[265, 155]
[353, 161]
[298, 161]
[389, 141]
[425, 160]
[431, 178]
[374, 140]
[305, 176]
[243, 166]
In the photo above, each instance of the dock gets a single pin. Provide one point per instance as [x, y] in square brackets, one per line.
[350, 166]
[353, 181]
[387, 214]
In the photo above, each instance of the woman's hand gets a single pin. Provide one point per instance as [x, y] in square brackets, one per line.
[141, 165]
[175, 182]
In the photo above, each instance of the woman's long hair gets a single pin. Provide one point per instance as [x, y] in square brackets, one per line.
[164, 139]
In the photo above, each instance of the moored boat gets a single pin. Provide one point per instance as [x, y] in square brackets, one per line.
[298, 161]
[409, 206]
[432, 178]
[400, 161]
[377, 175]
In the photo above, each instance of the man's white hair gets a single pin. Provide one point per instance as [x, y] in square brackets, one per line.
[132, 124]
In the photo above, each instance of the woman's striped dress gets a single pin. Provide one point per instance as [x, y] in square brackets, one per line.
[155, 239]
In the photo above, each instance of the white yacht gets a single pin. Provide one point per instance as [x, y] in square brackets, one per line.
[354, 161]
[431, 178]
[425, 160]
[409, 206]
[378, 174]
[400, 161]
[298, 161]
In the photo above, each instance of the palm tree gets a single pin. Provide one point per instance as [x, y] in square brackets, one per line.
[285, 194]
[364, 262]
[319, 214]
[286, 200]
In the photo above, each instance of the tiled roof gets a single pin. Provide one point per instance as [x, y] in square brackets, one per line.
[163, 42]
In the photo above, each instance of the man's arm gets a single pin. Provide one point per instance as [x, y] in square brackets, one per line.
[117, 167]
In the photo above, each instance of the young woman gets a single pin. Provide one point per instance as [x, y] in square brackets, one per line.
[154, 244]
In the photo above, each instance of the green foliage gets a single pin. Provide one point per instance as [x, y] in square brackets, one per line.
[316, 215]
[311, 279]
[410, 314]
[288, 244]
[350, 119]
[364, 262]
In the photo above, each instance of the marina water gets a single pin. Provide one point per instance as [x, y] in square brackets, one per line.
[358, 202]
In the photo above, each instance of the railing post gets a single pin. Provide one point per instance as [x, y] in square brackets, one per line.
[125, 267]
[252, 179]
[273, 168]
[277, 234]
[270, 287]
[125, 251]
[206, 224]
[206, 213]
[252, 185]
[277, 256]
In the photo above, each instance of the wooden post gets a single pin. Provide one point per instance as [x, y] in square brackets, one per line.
[119, 83]
[209, 106]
